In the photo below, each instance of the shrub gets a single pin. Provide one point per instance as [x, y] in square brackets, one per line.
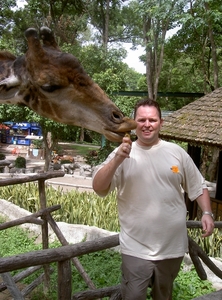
[95, 158]
[65, 161]
[38, 144]
[20, 162]
[2, 156]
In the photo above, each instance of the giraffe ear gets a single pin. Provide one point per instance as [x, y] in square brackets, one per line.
[48, 38]
[9, 88]
[10, 81]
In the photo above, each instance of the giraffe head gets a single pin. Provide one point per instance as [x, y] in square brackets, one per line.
[55, 85]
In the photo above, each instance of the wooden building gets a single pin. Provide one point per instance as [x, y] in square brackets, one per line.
[200, 125]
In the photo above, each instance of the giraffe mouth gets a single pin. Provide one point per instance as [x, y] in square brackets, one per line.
[121, 129]
[114, 136]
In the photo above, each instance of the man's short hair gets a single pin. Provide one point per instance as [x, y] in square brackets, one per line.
[147, 102]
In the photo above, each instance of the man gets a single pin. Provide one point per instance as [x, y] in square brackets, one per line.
[150, 176]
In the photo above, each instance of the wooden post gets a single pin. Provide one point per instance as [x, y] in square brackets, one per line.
[45, 239]
[11, 286]
[195, 154]
[64, 280]
[75, 260]
[218, 194]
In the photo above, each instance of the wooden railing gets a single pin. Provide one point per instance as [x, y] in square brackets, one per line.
[67, 254]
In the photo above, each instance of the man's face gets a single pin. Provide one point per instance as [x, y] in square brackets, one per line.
[148, 125]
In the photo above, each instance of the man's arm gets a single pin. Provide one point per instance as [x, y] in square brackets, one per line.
[207, 221]
[103, 178]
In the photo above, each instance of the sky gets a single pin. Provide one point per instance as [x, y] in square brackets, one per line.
[132, 59]
[21, 3]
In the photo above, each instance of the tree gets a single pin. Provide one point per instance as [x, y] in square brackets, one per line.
[52, 132]
[157, 18]
[210, 13]
[189, 53]
[6, 15]
[108, 18]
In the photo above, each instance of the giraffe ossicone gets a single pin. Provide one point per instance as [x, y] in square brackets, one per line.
[54, 85]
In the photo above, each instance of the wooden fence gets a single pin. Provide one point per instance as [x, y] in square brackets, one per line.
[67, 254]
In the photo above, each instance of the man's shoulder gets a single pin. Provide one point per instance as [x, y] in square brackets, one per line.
[172, 145]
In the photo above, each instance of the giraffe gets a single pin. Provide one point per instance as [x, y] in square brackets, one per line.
[55, 85]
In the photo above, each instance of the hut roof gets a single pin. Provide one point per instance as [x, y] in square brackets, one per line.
[199, 122]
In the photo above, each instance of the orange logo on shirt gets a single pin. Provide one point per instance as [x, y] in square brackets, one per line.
[175, 169]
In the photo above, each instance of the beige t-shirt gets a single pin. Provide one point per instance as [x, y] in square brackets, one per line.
[151, 206]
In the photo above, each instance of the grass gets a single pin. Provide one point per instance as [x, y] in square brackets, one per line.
[83, 150]
[78, 149]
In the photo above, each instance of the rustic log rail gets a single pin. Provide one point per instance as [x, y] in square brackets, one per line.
[30, 178]
[40, 178]
[66, 253]
[20, 276]
[46, 256]
[33, 218]
[46, 218]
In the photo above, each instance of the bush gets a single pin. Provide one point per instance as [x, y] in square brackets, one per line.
[2, 156]
[38, 144]
[95, 158]
[65, 161]
[20, 162]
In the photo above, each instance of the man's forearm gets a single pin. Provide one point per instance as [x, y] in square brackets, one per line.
[204, 201]
[104, 176]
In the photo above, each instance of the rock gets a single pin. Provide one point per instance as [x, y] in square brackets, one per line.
[212, 296]
[216, 281]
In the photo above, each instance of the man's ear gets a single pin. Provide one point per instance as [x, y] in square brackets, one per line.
[161, 123]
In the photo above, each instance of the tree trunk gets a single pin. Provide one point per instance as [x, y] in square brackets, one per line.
[214, 51]
[49, 145]
[81, 138]
[149, 56]
[106, 26]
[159, 60]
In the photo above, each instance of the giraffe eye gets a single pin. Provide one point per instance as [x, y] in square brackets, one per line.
[50, 88]
[82, 83]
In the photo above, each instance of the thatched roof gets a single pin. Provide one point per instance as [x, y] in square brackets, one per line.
[199, 122]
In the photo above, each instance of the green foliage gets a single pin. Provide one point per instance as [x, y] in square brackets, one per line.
[20, 162]
[65, 161]
[77, 208]
[126, 104]
[2, 156]
[102, 154]
[38, 144]
[211, 244]
[188, 285]
[15, 240]
[83, 150]
[89, 209]
[103, 268]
